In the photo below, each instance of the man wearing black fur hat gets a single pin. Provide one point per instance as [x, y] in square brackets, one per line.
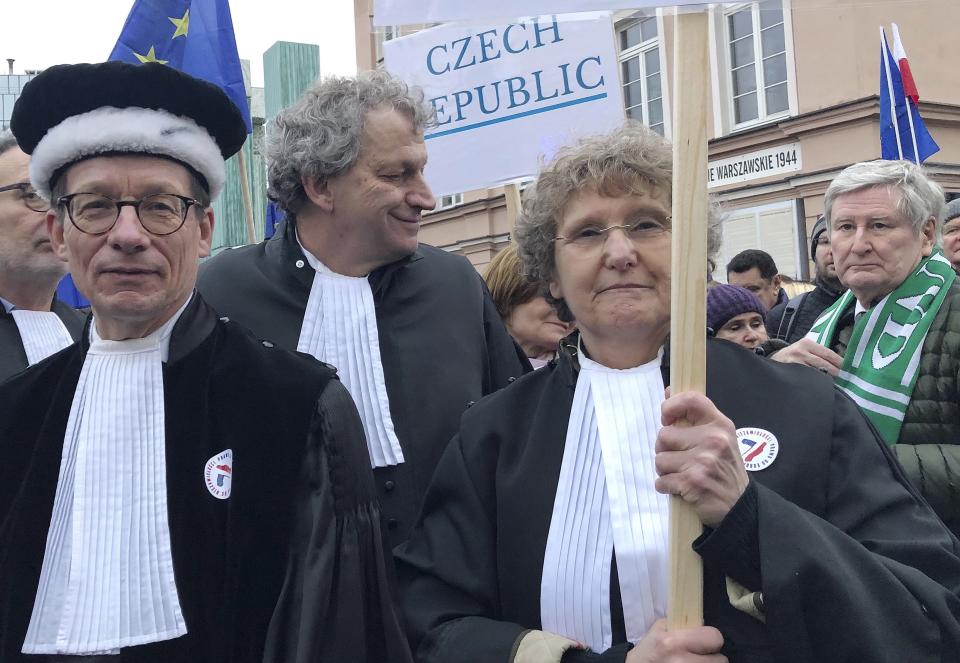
[790, 321]
[151, 507]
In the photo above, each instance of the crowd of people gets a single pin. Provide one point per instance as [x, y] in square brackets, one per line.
[344, 445]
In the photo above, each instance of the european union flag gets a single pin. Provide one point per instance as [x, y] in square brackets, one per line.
[194, 36]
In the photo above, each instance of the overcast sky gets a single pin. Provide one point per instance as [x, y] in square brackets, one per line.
[41, 33]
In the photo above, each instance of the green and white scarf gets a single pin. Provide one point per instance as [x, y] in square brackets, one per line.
[882, 360]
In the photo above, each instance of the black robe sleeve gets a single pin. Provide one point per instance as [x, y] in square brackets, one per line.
[447, 570]
[335, 604]
[876, 578]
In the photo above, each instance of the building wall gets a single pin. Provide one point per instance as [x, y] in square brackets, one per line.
[10, 87]
[832, 78]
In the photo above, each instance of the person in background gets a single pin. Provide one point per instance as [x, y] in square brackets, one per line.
[756, 271]
[893, 339]
[790, 321]
[735, 314]
[530, 319]
[33, 323]
[950, 227]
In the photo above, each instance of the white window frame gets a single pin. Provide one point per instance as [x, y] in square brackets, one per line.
[724, 117]
[382, 35]
[449, 202]
[799, 257]
[639, 51]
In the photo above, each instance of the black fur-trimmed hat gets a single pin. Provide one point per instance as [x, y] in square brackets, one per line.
[74, 111]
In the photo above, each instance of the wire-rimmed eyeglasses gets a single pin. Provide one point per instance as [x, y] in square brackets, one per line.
[28, 196]
[593, 236]
[95, 214]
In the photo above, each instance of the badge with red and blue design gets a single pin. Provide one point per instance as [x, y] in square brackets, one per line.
[218, 474]
[758, 448]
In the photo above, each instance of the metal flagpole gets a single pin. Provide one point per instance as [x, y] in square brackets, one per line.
[893, 101]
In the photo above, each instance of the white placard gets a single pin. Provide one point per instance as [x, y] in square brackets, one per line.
[509, 94]
[785, 158]
[402, 12]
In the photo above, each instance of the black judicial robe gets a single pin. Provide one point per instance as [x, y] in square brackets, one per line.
[13, 358]
[442, 344]
[853, 565]
[289, 568]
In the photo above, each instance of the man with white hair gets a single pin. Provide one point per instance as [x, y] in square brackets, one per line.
[172, 488]
[33, 323]
[893, 339]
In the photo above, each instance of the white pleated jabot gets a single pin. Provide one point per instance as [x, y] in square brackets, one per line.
[340, 328]
[605, 503]
[42, 333]
[107, 577]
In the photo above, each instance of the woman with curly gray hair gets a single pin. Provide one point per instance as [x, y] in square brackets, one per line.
[543, 537]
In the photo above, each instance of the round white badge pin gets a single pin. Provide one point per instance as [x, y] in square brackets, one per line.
[758, 448]
[218, 474]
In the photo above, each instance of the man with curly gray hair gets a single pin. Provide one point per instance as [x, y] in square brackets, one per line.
[411, 328]
[892, 341]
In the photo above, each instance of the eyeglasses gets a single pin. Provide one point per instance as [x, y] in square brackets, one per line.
[28, 196]
[159, 214]
[592, 237]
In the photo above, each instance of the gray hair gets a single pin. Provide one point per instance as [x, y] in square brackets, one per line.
[920, 197]
[617, 163]
[319, 136]
[7, 141]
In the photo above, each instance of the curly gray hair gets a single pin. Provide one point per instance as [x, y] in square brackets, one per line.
[617, 163]
[920, 197]
[319, 136]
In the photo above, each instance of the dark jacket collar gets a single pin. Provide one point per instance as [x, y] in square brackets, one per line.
[284, 248]
[195, 324]
[827, 288]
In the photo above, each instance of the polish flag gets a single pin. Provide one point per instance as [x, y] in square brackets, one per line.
[900, 55]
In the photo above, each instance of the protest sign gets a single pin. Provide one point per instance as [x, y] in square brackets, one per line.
[507, 94]
[401, 12]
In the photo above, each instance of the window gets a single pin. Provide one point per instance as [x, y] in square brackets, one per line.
[446, 202]
[756, 57]
[383, 35]
[640, 73]
[770, 228]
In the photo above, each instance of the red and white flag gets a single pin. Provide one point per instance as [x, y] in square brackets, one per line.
[900, 55]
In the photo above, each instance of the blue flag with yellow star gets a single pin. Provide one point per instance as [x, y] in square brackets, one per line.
[194, 36]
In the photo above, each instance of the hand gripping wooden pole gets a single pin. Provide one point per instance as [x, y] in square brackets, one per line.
[688, 320]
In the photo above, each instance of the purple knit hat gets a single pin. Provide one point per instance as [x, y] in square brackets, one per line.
[728, 301]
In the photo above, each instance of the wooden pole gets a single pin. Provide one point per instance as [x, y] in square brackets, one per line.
[512, 194]
[245, 195]
[688, 320]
